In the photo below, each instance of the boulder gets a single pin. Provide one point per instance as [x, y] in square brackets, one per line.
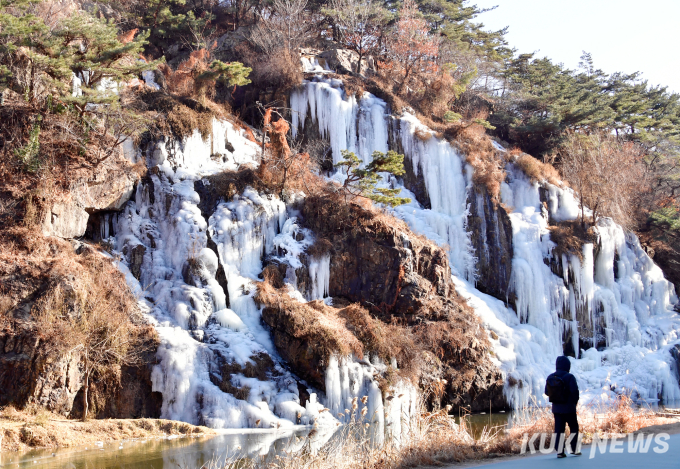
[344, 61]
[108, 188]
[66, 219]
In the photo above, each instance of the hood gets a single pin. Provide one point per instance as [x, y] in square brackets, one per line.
[563, 364]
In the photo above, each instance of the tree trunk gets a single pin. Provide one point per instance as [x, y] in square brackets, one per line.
[85, 392]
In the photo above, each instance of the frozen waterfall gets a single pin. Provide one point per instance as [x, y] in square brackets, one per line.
[611, 305]
[196, 275]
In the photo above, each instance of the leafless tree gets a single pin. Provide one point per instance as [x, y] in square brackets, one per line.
[360, 23]
[284, 25]
[607, 173]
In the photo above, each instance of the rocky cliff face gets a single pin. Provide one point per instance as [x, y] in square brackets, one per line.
[491, 237]
[106, 189]
[400, 278]
[31, 373]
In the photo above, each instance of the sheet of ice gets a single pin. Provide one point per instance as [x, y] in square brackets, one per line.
[585, 304]
[150, 80]
[313, 65]
[163, 236]
[338, 117]
[353, 394]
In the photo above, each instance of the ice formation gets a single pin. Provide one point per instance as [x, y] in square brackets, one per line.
[611, 305]
[171, 253]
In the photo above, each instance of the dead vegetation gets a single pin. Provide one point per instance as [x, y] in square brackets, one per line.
[435, 439]
[486, 160]
[182, 115]
[536, 170]
[312, 322]
[570, 236]
[35, 427]
[75, 303]
[92, 311]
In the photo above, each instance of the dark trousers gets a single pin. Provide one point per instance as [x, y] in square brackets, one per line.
[560, 421]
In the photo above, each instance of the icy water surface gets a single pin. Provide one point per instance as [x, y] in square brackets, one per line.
[165, 453]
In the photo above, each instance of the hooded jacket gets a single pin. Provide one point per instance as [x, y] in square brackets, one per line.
[562, 367]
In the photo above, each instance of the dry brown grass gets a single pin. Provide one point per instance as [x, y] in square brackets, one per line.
[183, 115]
[66, 297]
[35, 427]
[345, 330]
[488, 162]
[435, 440]
[91, 309]
[570, 236]
[536, 170]
[313, 322]
[422, 135]
[619, 418]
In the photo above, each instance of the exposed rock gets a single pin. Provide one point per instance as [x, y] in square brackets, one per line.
[226, 43]
[491, 237]
[67, 219]
[344, 61]
[398, 276]
[135, 258]
[30, 373]
[305, 354]
[260, 367]
[395, 271]
[675, 353]
[108, 189]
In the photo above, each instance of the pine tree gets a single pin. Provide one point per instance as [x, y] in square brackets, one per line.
[233, 74]
[95, 55]
[39, 62]
[362, 182]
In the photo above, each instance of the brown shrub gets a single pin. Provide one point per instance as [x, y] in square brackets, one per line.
[488, 162]
[387, 341]
[536, 170]
[88, 307]
[570, 236]
[182, 115]
[422, 135]
[280, 71]
[312, 322]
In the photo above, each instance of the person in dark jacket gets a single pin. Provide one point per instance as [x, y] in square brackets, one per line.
[564, 410]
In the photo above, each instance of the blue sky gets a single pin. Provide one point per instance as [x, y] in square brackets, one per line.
[621, 35]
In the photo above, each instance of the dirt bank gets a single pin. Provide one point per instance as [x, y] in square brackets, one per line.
[21, 430]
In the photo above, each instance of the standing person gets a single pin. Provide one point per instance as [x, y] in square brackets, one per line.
[562, 390]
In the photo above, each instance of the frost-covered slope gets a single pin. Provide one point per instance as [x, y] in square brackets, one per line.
[197, 273]
[615, 298]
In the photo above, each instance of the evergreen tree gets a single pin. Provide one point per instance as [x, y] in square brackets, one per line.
[39, 61]
[455, 20]
[233, 74]
[363, 181]
[95, 55]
